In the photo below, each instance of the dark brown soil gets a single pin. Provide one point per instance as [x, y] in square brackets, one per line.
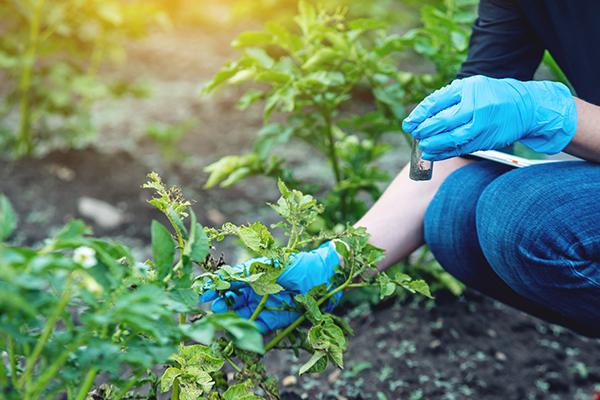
[454, 348]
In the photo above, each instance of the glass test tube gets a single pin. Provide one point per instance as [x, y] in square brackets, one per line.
[420, 170]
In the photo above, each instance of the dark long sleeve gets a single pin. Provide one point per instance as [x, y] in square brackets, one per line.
[503, 43]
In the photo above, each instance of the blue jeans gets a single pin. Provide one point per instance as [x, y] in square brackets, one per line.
[528, 237]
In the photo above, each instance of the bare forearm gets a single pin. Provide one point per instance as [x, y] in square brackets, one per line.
[586, 142]
[395, 221]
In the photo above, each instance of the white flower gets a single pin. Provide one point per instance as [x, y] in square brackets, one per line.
[85, 256]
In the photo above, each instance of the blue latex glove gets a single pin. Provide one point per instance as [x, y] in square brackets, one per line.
[309, 269]
[481, 113]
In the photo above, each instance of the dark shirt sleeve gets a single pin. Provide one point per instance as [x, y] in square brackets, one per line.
[503, 43]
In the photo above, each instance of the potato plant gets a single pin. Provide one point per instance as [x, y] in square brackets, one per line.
[51, 51]
[311, 76]
[80, 308]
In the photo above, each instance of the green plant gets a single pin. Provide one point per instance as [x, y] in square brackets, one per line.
[52, 51]
[167, 138]
[310, 78]
[196, 370]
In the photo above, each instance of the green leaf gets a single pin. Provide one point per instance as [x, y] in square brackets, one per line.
[421, 287]
[316, 364]
[225, 166]
[313, 313]
[251, 38]
[201, 332]
[8, 218]
[285, 39]
[266, 283]
[249, 98]
[322, 56]
[73, 230]
[197, 246]
[187, 297]
[16, 302]
[163, 249]
[261, 56]
[201, 378]
[273, 77]
[364, 24]
[239, 392]
[336, 356]
[307, 17]
[168, 378]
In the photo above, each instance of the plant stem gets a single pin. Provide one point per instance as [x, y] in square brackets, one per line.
[132, 382]
[259, 308]
[49, 372]
[23, 145]
[238, 369]
[32, 359]
[332, 152]
[300, 319]
[87, 384]
[12, 360]
[175, 392]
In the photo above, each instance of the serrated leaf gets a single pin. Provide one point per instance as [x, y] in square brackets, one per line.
[313, 313]
[336, 356]
[250, 97]
[239, 392]
[316, 364]
[317, 338]
[163, 249]
[201, 378]
[168, 378]
[421, 287]
[206, 362]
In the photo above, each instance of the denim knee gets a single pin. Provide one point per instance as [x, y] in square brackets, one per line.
[449, 226]
[539, 229]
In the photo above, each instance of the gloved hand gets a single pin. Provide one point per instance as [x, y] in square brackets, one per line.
[481, 113]
[309, 269]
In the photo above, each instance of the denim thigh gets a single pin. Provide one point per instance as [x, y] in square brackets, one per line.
[472, 229]
[539, 229]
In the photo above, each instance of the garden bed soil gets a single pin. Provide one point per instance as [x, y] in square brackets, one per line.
[454, 348]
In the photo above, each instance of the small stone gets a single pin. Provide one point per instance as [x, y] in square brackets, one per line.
[102, 213]
[491, 333]
[340, 397]
[500, 356]
[215, 217]
[230, 376]
[290, 380]
[334, 376]
[63, 173]
[434, 344]
[304, 396]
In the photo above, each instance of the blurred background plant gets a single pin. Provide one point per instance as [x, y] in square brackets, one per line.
[50, 55]
[167, 138]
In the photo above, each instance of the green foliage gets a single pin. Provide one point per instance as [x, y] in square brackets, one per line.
[167, 138]
[309, 78]
[51, 51]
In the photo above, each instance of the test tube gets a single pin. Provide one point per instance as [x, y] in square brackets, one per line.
[420, 170]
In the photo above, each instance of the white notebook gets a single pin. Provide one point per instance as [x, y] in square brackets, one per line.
[516, 161]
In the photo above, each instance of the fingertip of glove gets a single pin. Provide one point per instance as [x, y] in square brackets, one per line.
[207, 296]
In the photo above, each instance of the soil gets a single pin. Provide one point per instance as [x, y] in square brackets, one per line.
[469, 347]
